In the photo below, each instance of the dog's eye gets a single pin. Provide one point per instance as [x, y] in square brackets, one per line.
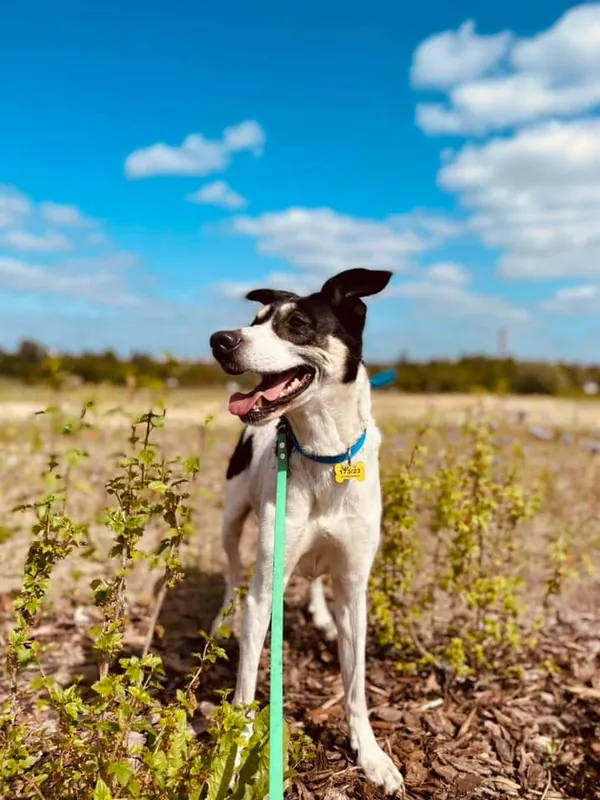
[296, 321]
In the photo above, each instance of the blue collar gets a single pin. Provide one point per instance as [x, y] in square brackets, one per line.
[346, 456]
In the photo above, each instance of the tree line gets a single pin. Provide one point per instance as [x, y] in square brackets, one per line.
[33, 363]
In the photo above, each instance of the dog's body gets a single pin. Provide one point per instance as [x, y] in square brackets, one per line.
[313, 376]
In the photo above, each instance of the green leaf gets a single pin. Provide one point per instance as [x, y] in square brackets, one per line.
[105, 687]
[101, 792]
[122, 770]
[191, 465]
[147, 457]
[158, 486]
[157, 762]
[253, 775]
[222, 766]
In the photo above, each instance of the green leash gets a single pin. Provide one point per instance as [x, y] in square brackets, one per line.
[276, 754]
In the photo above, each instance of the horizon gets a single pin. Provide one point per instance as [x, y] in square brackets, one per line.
[208, 360]
[158, 162]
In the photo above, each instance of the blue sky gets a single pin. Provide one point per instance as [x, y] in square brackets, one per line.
[159, 159]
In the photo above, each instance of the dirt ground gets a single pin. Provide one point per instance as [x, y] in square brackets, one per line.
[535, 735]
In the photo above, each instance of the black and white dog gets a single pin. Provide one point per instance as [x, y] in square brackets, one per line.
[308, 352]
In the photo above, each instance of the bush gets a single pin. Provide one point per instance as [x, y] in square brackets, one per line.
[118, 739]
[453, 599]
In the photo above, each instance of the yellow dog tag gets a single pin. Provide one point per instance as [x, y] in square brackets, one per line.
[350, 472]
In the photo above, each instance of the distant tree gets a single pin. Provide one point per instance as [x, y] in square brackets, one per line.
[31, 362]
[31, 351]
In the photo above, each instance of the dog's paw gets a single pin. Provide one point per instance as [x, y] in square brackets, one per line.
[380, 769]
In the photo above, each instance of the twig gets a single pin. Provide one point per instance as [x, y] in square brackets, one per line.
[31, 783]
[155, 615]
[547, 787]
[421, 649]
[333, 701]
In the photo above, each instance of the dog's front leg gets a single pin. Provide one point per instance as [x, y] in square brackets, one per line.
[254, 630]
[350, 606]
[259, 599]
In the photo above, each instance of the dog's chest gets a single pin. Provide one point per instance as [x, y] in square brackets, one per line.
[339, 515]
[319, 487]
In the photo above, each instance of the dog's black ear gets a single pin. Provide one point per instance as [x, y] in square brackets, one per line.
[268, 296]
[355, 283]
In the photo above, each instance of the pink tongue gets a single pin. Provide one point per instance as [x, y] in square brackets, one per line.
[240, 404]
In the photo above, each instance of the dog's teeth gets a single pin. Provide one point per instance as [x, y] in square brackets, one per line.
[292, 386]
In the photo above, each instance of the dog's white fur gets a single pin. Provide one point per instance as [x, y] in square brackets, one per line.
[331, 528]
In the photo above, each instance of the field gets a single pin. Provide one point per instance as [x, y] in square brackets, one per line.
[484, 645]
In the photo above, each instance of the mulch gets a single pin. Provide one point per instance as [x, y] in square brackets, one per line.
[533, 736]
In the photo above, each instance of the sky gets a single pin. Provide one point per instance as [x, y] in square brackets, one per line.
[158, 160]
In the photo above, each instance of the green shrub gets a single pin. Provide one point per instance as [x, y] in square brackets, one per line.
[452, 598]
[119, 739]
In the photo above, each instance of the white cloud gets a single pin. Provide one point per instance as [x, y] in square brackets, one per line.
[553, 74]
[452, 57]
[233, 290]
[535, 195]
[109, 260]
[31, 242]
[245, 136]
[503, 102]
[569, 48]
[574, 300]
[62, 215]
[94, 271]
[326, 241]
[14, 206]
[99, 288]
[218, 193]
[437, 227]
[580, 263]
[17, 211]
[443, 292]
[448, 273]
[196, 156]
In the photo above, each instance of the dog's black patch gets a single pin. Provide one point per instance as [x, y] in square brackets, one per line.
[241, 456]
[311, 320]
[344, 292]
[268, 296]
[335, 311]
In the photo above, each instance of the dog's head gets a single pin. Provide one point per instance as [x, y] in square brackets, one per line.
[298, 344]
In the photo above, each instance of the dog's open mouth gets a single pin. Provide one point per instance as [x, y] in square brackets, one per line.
[275, 389]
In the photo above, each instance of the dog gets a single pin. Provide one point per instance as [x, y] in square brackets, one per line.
[308, 352]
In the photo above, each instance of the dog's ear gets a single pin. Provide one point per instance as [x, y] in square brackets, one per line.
[355, 283]
[268, 296]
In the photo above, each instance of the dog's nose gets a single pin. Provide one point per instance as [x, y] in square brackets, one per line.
[225, 341]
